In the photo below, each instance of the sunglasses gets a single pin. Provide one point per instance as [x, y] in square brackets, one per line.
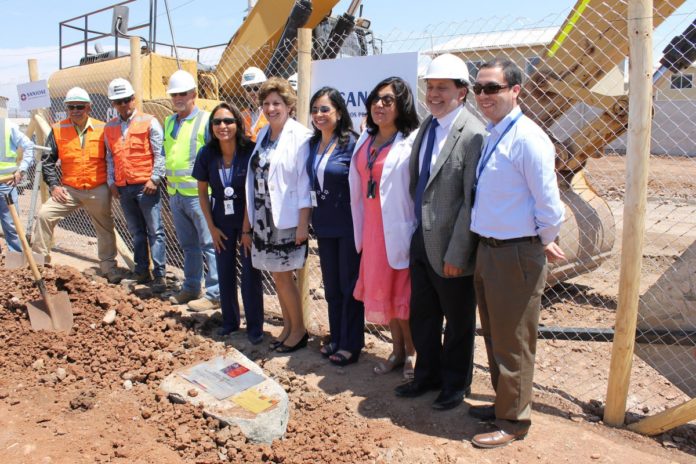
[489, 89]
[179, 94]
[76, 107]
[387, 100]
[225, 121]
[123, 101]
[321, 109]
[252, 89]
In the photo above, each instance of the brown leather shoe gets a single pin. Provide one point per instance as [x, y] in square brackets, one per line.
[496, 439]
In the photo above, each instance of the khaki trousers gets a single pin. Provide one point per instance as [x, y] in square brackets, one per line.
[97, 203]
[509, 281]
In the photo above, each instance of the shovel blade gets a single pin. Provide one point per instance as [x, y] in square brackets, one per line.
[40, 316]
[16, 259]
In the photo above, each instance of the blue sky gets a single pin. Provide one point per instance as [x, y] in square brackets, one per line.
[33, 32]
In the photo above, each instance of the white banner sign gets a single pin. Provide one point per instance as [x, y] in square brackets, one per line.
[355, 77]
[33, 95]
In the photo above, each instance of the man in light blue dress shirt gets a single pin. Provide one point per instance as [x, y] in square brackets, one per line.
[517, 214]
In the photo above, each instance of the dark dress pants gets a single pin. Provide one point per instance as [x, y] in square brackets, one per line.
[340, 265]
[449, 360]
[252, 291]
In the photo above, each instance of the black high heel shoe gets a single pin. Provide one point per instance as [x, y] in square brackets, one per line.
[275, 344]
[339, 359]
[283, 348]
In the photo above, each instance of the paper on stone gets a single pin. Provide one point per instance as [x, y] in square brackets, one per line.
[220, 378]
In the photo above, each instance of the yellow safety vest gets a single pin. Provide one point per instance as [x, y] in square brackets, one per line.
[180, 152]
[8, 158]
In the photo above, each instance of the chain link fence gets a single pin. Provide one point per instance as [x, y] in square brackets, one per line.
[576, 81]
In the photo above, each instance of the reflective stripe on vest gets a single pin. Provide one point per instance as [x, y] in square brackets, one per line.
[132, 154]
[8, 158]
[180, 152]
[83, 164]
[252, 131]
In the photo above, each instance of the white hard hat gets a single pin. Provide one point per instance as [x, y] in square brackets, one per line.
[77, 94]
[293, 81]
[120, 88]
[181, 81]
[253, 75]
[447, 66]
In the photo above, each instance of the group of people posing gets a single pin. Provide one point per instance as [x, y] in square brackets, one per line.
[417, 223]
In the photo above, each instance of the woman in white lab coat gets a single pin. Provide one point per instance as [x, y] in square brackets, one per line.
[383, 215]
[276, 222]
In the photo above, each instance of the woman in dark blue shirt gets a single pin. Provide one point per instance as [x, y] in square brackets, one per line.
[331, 149]
[220, 168]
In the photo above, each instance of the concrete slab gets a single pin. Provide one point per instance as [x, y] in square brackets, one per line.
[264, 427]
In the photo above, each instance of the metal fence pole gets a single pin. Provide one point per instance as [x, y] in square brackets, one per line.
[640, 27]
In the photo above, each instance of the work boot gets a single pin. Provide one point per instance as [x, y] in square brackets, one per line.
[159, 285]
[114, 275]
[142, 277]
[183, 297]
[203, 304]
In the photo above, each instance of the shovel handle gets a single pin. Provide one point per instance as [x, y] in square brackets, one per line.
[22, 237]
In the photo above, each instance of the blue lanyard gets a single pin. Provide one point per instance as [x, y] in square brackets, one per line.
[227, 181]
[315, 167]
[487, 156]
[373, 154]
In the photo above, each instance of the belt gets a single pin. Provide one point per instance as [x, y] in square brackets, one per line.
[494, 242]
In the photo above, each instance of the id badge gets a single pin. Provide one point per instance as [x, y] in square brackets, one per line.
[371, 189]
[262, 187]
[313, 196]
[229, 207]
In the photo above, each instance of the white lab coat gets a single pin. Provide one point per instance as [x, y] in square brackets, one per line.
[398, 215]
[288, 181]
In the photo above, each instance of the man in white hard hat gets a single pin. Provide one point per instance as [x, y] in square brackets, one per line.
[12, 140]
[517, 215]
[443, 168]
[134, 169]
[185, 132]
[252, 78]
[78, 142]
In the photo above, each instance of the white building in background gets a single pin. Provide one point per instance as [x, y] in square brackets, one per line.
[673, 126]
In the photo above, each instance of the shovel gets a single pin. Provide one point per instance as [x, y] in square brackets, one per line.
[15, 259]
[52, 312]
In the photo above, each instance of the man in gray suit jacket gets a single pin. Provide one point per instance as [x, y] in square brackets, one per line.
[443, 170]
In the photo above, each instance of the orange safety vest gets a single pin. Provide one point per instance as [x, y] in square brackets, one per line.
[83, 167]
[133, 157]
[261, 122]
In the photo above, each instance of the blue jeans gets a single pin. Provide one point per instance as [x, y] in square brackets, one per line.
[194, 238]
[144, 221]
[8, 226]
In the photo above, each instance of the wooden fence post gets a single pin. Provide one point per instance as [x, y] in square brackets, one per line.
[639, 29]
[304, 63]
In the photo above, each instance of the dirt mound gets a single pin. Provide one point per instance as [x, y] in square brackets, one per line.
[146, 341]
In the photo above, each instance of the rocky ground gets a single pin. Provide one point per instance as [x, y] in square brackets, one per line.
[92, 396]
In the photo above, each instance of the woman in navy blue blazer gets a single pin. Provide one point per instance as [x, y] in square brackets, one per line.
[221, 165]
[331, 149]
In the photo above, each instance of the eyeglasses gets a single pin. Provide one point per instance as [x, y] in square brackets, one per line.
[321, 109]
[225, 121]
[179, 94]
[123, 101]
[76, 107]
[387, 100]
[252, 89]
[489, 89]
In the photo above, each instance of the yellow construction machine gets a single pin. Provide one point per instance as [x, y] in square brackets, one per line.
[264, 40]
